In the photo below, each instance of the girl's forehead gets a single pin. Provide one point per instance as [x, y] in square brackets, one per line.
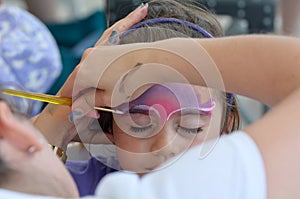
[173, 96]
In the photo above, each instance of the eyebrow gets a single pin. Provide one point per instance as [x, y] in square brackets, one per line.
[135, 110]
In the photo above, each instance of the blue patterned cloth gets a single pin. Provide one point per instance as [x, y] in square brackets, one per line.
[29, 54]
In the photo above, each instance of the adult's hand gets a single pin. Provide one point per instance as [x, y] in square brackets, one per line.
[55, 122]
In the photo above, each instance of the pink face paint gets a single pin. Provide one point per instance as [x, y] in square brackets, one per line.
[147, 114]
[169, 98]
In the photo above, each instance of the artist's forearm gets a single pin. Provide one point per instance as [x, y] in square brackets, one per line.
[254, 66]
[266, 68]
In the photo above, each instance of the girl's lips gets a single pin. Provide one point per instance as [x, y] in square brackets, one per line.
[151, 168]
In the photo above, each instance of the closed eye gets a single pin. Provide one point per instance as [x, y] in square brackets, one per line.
[140, 129]
[182, 130]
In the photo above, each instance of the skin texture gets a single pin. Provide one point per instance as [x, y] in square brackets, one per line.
[144, 142]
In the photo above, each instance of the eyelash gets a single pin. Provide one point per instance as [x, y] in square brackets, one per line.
[140, 129]
[189, 130]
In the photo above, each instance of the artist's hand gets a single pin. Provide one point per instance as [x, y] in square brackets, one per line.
[111, 35]
[56, 122]
[121, 72]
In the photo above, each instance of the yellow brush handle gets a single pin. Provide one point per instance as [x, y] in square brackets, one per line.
[39, 97]
[50, 99]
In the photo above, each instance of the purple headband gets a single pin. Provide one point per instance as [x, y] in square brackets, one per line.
[169, 20]
[178, 21]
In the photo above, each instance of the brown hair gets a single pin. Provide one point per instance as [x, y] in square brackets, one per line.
[187, 11]
[184, 10]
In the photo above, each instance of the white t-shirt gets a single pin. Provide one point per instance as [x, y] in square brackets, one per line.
[232, 170]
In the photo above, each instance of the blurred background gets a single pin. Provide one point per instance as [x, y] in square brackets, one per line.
[77, 24]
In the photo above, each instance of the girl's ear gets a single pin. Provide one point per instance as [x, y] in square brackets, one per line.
[16, 132]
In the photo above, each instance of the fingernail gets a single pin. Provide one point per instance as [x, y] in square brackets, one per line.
[71, 117]
[113, 39]
[145, 5]
[75, 113]
[141, 5]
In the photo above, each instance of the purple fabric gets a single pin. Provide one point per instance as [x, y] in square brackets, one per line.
[87, 174]
[29, 54]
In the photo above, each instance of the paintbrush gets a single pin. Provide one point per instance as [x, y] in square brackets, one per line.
[52, 99]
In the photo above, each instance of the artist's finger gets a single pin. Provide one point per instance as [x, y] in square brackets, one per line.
[85, 54]
[84, 104]
[111, 35]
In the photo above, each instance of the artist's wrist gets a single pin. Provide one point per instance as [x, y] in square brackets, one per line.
[54, 125]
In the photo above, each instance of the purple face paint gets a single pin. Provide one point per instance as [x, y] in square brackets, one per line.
[156, 105]
[173, 97]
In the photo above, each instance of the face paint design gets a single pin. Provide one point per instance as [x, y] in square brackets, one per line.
[148, 114]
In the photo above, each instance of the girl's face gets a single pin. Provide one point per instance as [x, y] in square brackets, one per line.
[164, 122]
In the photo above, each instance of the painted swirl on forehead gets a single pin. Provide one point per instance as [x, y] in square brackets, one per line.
[172, 97]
